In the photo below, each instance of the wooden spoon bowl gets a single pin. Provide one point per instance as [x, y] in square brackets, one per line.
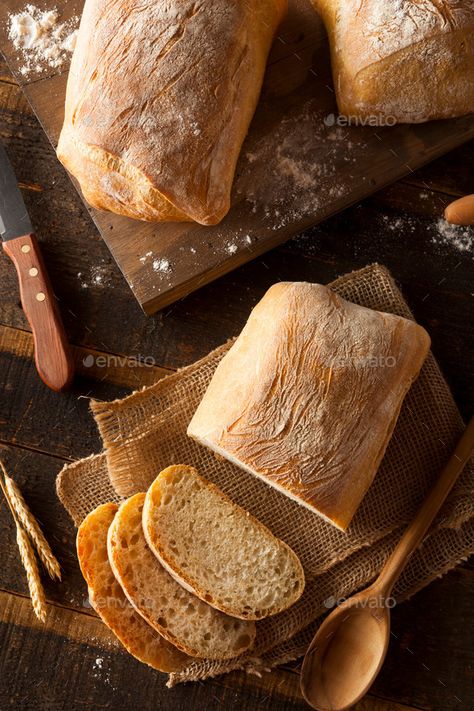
[347, 653]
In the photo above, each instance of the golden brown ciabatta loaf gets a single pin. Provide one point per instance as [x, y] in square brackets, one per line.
[216, 549]
[186, 621]
[401, 60]
[159, 99]
[108, 600]
[309, 394]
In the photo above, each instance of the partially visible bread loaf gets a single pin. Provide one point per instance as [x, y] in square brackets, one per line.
[108, 600]
[187, 622]
[159, 99]
[401, 60]
[216, 549]
[309, 394]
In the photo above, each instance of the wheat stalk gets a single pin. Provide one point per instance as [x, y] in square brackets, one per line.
[30, 525]
[28, 559]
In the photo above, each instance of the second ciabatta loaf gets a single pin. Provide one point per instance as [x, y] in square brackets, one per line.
[159, 99]
[216, 549]
[309, 394]
[401, 60]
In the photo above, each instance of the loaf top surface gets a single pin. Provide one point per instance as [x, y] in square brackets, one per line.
[217, 549]
[367, 31]
[186, 621]
[308, 395]
[169, 88]
[108, 599]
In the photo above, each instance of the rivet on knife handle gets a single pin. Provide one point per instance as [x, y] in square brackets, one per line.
[53, 357]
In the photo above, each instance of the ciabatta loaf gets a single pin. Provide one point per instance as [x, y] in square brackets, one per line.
[190, 624]
[216, 549]
[159, 99]
[401, 60]
[309, 394]
[108, 600]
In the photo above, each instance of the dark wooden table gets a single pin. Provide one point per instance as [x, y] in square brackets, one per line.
[72, 662]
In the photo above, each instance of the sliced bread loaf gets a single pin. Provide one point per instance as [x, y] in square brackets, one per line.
[187, 622]
[218, 550]
[108, 600]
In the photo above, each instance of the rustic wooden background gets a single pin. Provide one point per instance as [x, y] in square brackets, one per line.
[73, 662]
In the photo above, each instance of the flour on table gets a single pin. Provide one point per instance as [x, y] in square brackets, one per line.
[300, 168]
[100, 673]
[41, 39]
[145, 257]
[98, 276]
[440, 232]
[459, 237]
[162, 265]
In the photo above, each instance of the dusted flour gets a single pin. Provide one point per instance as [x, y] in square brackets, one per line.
[41, 39]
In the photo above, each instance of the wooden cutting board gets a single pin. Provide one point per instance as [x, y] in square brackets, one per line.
[300, 163]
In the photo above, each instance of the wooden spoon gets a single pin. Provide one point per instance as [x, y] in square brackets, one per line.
[461, 212]
[349, 648]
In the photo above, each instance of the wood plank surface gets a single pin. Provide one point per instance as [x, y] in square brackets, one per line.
[56, 667]
[104, 676]
[297, 166]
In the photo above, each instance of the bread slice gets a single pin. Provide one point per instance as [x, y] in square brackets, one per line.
[108, 600]
[190, 624]
[218, 550]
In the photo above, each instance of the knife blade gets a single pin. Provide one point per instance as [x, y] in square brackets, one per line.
[53, 357]
[14, 218]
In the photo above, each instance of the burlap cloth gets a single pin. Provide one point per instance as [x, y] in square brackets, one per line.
[146, 432]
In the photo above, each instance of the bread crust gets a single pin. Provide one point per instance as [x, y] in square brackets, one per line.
[159, 99]
[109, 601]
[309, 394]
[185, 576]
[403, 61]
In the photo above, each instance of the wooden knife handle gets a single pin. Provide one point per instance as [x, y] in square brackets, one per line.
[53, 358]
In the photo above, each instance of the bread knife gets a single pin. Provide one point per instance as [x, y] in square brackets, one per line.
[53, 357]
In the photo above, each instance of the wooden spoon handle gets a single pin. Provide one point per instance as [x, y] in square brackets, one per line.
[422, 521]
[461, 212]
[52, 355]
